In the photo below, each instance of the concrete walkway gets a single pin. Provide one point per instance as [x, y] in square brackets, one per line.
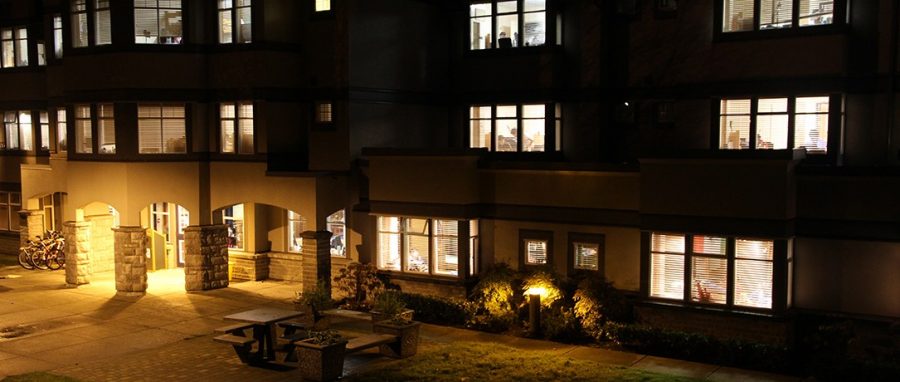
[92, 334]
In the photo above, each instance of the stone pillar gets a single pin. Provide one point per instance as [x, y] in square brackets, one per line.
[205, 257]
[131, 259]
[316, 257]
[31, 224]
[78, 252]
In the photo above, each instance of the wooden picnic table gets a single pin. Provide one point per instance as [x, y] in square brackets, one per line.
[264, 320]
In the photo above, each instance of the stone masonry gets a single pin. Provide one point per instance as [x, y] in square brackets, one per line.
[131, 259]
[249, 266]
[316, 256]
[78, 252]
[32, 224]
[285, 266]
[102, 241]
[206, 257]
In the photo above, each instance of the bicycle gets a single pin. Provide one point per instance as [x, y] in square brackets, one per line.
[44, 253]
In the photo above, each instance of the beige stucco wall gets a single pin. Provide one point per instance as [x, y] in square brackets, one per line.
[622, 248]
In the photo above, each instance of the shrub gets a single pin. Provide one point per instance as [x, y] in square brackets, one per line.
[544, 283]
[560, 323]
[492, 305]
[359, 282]
[389, 303]
[318, 298]
[435, 310]
[598, 302]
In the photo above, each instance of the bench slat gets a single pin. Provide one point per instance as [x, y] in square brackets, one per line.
[234, 328]
[369, 341]
[234, 340]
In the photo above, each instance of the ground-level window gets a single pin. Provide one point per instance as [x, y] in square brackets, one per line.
[233, 218]
[515, 128]
[235, 23]
[720, 270]
[296, 224]
[236, 127]
[775, 123]
[157, 22]
[10, 204]
[535, 247]
[586, 252]
[161, 129]
[337, 226]
[422, 245]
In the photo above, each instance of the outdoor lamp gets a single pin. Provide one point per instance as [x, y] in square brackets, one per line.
[534, 309]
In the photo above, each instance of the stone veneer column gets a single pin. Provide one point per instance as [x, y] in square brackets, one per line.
[131, 259]
[316, 257]
[205, 257]
[78, 252]
[32, 224]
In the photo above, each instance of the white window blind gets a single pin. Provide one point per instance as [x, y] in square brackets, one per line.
[535, 252]
[389, 243]
[161, 129]
[102, 23]
[811, 124]
[415, 237]
[446, 247]
[83, 130]
[61, 130]
[753, 267]
[709, 270]
[667, 266]
[587, 256]
[737, 15]
[816, 12]
[26, 130]
[79, 23]
[45, 130]
[8, 52]
[106, 129]
[775, 14]
[157, 22]
[480, 126]
[734, 126]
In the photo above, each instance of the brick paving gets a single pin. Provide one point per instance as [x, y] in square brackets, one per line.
[92, 334]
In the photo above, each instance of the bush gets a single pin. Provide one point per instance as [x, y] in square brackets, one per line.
[318, 298]
[492, 305]
[544, 283]
[359, 282]
[598, 302]
[389, 303]
[560, 324]
[435, 310]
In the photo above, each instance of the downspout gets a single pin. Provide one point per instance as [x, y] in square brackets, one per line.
[892, 78]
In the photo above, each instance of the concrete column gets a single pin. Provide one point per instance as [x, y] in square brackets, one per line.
[78, 252]
[205, 257]
[316, 257]
[131, 259]
[31, 224]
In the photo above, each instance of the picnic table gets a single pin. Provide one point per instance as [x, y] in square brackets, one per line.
[263, 321]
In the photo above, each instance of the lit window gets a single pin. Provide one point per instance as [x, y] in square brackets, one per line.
[79, 24]
[161, 129]
[106, 129]
[296, 225]
[535, 248]
[236, 126]
[323, 5]
[324, 113]
[587, 256]
[83, 130]
[10, 203]
[766, 123]
[336, 225]
[709, 258]
[41, 53]
[157, 22]
[422, 246]
[514, 128]
[233, 218]
[14, 42]
[102, 23]
[738, 15]
[235, 23]
[18, 131]
[61, 130]
[495, 24]
[473, 247]
[45, 130]
[535, 252]
[57, 37]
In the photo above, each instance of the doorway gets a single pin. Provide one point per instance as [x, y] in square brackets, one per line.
[165, 223]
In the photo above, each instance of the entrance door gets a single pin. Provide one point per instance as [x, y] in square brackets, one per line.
[168, 221]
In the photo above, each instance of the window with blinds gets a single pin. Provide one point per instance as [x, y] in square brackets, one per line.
[587, 256]
[416, 244]
[422, 245]
[708, 258]
[84, 143]
[775, 14]
[389, 243]
[157, 22]
[13, 47]
[106, 128]
[235, 22]
[57, 37]
[514, 128]
[236, 128]
[161, 129]
[768, 123]
[102, 23]
[667, 266]
[738, 15]
[446, 247]
[535, 252]
[324, 113]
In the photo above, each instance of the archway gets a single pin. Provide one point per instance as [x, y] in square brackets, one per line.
[165, 223]
[103, 218]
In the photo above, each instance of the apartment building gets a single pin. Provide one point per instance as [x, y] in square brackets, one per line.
[732, 163]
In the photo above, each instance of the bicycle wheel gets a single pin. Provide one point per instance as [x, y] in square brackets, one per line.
[60, 259]
[25, 259]
[53, 261]
[39, 259]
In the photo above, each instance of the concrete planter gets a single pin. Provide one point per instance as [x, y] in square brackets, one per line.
[408, 344]
[320, 363]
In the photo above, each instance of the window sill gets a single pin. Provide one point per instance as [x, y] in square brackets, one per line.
[709, 308]
[518, 51]
[820, 30]
[435, 279]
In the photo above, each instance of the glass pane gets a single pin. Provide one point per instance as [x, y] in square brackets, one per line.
[772, 131]
[507, 6]
[389, 250]
[507, 134]
[225, 27]
[26, 131]
[533, 111]
[146, 29]
[754, 249]
[772, 105]
[83, 138]
[227, 136]
[709, 279]
[102, 28]
[481, 32]
[388, 224]
[811, 132]
[535, 29]
[446, 247]
[587, 256]
[533, 135]
[45, 131]
[737, 15]
[775, 14]
[667, 243]
[417, 226]
[61, 129]
[812, 105]
[753, 283]
[534, 5]
[323, 5]
[246, 143]
[9, 54]
[79, 30]
[170, 30]
[416, 253]
[480, 134]
[735, 132]
[245, 26]
[735, 106]
[710, 245]
[480, 112]
[173, 135]
[149, 136]
[535, 251]
[667, 276]
[506, 111]
[816, 12]
[507, 31]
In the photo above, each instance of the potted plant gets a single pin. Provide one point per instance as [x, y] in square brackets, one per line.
[315, 301]
[389, 304]
[406, 330]
[321, 356]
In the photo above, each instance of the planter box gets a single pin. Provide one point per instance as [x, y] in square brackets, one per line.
[408, 344]
[320, 363]
[377, 316]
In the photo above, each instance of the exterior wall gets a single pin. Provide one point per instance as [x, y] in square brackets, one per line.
[721, 325]
[285, 266]
[249, 266]
[431, 288]
[9, 243]
[849, 276]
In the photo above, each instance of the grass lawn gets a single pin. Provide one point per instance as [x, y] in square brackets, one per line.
[39, 377]
[470, 361]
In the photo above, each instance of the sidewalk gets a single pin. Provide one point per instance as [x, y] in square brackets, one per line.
[91, 334]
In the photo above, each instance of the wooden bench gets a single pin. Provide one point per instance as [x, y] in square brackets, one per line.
[370, 341]
[235, 329]
[242, 345]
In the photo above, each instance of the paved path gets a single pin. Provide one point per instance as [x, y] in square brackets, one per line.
[92, 334]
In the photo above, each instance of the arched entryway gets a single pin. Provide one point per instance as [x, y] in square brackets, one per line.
[165, 223]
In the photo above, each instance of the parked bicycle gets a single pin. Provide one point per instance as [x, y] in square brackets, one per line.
[46, 252]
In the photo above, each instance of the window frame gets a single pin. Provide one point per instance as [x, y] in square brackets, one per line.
[551, 33]
[586, 238]
[552, 127]
[464, 254]
[839, 22]
[289, 219]
[329, 222]
[18, 57]
[235, 22]
[162, 118]
[237, 123]
[781, 262]
[835, 118]
[526, 235]
[179, 39]
[6, 200]
[21, 140]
